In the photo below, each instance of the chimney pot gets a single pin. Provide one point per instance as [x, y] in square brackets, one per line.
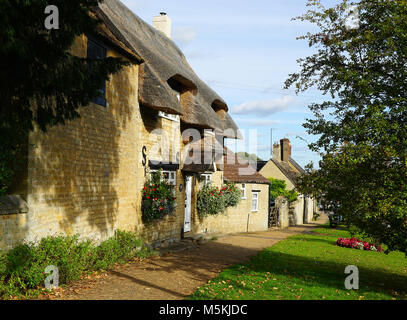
[277, 151]
[285, 150]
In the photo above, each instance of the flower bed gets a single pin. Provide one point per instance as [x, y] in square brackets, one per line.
[355, 243]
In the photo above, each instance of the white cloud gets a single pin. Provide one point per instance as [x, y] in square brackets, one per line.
[265, 107]
[184, 35]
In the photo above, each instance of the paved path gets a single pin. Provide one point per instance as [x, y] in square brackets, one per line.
[177, 275]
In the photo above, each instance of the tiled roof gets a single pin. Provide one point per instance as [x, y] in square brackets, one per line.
[240, 171]
[287, 170]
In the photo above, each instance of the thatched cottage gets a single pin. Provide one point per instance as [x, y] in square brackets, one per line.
[86, 177]
[283, 167]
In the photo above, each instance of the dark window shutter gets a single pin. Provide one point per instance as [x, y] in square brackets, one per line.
[97, 51]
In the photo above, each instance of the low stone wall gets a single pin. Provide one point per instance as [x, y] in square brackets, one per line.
[13, 221]
[13, 228]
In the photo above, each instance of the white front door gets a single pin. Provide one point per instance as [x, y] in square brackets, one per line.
[188, 204]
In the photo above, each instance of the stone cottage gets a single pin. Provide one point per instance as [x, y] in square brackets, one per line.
[252, 213]
[283, 167]
[86, 177]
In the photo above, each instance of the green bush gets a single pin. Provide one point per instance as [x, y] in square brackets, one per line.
[22, 268]
[118, 249]
[212, 200]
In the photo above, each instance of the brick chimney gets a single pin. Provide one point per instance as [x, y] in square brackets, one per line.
[277, 151]
[163, 23]
[285, 150]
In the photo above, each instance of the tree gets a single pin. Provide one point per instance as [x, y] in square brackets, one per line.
[40, 80]
[361, 70]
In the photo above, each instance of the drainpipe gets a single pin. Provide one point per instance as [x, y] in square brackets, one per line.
[248, 220]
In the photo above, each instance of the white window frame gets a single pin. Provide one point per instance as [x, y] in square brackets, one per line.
[207, 179]
[244, 189]
[210, 132]
[172, 180]
[172, 117]
[255, 196]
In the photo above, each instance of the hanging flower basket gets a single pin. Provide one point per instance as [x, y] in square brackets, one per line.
[158, 198]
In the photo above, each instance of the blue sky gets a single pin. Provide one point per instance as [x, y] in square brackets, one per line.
[245, 50]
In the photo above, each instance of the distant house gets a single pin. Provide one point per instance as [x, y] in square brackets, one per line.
[283, 167]
[252, 213]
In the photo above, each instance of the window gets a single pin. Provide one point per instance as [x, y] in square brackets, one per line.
[255, 201]
[172, 117]
[206, 179]
[97, 51]
[169, 176]
[243, 189]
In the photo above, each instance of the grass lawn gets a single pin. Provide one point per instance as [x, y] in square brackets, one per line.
[310, 266]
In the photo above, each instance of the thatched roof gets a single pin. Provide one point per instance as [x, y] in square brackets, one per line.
[229, 127]
[240, 171]
[200, 155]
[163, 61]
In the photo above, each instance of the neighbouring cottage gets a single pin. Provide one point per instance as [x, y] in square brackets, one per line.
[283, 167]
[86, 177]
[251, 214]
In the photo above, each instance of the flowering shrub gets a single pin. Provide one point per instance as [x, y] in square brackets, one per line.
[355, 243]
[232, 195]
[212, 200]
[158, 198]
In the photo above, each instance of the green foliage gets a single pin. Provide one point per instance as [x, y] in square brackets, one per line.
[232, 195]
[363, 128]
[212, 200]
[158, 198]
[22, 268]
[279, 188]
[41, 81]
